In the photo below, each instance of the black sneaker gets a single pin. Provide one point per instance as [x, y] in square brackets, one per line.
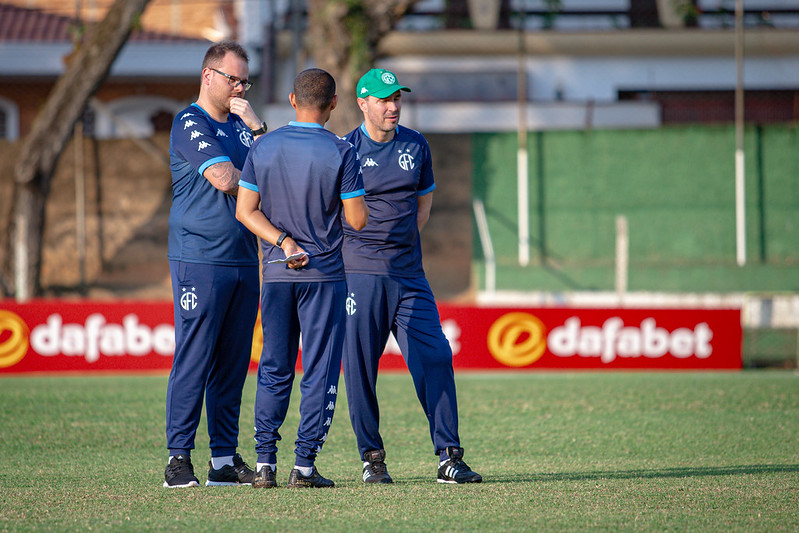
[315, 480]
[264, 478]
[237, 474]
[454, 470]
[375, 471]
[179, 473]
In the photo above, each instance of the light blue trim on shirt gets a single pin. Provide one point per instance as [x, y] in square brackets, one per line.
[195, 104]
[426, 191]
[353, 194]
[306, 124]
[214, 161]
[363, 129]
[248, 185]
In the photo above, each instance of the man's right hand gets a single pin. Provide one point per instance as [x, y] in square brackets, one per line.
[290, 247]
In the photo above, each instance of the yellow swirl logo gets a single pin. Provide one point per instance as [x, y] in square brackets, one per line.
[257, 340]
[13, 339]
[517, 339]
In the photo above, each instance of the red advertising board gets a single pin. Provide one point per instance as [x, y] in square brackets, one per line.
[56, 336]
[582, 338]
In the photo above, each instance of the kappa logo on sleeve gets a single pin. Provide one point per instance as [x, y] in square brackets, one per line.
[188, 124]
[195, 134]
[202, 144]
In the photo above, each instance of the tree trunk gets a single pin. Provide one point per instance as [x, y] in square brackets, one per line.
[343, 37]
[50, 132]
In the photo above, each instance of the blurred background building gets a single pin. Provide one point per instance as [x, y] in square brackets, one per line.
[585, 150]
[585, 63]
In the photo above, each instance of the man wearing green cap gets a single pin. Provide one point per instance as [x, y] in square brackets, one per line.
[386, 284]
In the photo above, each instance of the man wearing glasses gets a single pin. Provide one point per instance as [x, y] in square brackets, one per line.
[213, 262]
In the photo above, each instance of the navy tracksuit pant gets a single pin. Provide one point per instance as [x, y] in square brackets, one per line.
[317, 310]
[215, 311]
[377, 306]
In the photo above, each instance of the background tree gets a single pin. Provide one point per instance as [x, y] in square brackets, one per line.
[51, 130]
[343, 36]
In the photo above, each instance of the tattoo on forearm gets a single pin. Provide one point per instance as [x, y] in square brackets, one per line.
[225, 178]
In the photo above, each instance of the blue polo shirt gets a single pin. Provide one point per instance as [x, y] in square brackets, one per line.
[202, 220]
[302, 172]
[395, 174]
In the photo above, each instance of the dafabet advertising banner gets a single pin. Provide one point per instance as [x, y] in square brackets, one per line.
[56, 336]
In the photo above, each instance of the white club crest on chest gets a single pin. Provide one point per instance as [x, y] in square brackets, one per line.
[406, 160]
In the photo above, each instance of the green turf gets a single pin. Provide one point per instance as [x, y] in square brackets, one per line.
[558, 451]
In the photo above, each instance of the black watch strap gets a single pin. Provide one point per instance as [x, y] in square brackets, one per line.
[280, 239]
[261, 130]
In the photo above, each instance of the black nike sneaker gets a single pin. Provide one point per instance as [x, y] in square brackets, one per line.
[454, 470]
[264, 478]
[315, 480]
[375, 471]
[179, 473]
[237, 474]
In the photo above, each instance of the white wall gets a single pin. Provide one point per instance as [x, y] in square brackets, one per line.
[130, 116]
[600, 78]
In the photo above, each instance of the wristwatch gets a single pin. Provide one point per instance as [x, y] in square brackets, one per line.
[280, 239]
[260, 131]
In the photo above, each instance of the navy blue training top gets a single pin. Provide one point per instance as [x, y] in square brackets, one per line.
[202, 220]
[395, 173]
[302, 172]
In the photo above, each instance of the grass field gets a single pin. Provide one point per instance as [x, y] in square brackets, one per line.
[558, 451]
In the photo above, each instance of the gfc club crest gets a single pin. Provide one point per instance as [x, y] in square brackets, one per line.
[188, 300]
[246, 138]
[351, 305]
[406, 161]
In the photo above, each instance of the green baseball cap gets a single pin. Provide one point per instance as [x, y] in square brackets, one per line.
[380, 83]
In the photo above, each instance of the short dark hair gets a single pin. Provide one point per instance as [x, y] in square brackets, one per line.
[217, 52]
[314, 87]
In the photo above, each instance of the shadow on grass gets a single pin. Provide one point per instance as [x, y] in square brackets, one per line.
[643, 474]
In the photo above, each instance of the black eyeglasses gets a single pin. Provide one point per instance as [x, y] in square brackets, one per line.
[234, 80]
